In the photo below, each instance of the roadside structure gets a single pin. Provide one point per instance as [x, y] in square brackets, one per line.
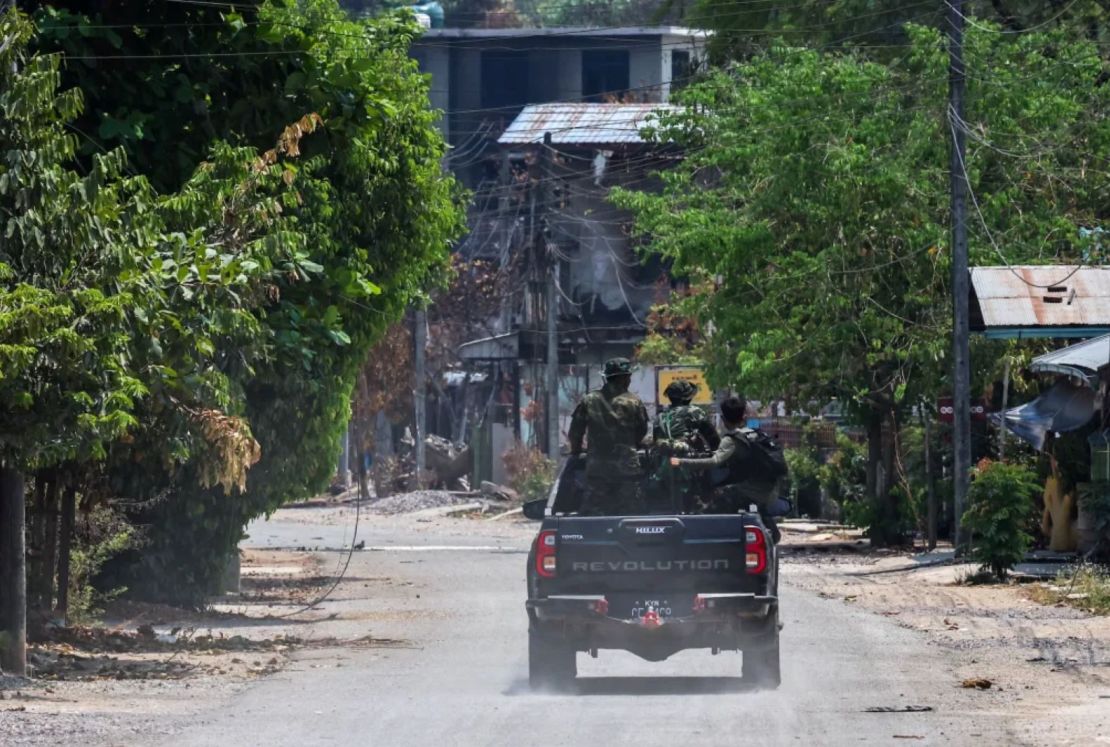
[542, 124]
[1028, 301]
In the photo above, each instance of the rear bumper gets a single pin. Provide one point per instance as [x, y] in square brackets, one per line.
[727, 621]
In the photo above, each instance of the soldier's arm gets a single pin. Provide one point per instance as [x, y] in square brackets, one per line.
[577, 431]
[725, 451]
[709, 433]
[643, 426]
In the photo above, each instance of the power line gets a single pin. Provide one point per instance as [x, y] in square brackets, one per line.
[990, 236]
[971, 21]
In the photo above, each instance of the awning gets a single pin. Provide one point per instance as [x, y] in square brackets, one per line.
[1067, 406]
[499, 347]
[1081, 361]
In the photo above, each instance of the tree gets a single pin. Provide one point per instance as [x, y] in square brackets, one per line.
[290, 186]
[110, 304]
[813, 193]
[878, 26]
[367, 195]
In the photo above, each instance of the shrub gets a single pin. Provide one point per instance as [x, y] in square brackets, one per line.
[1094, 500]
[999, 500]
[105, 535]
[843, 477]
[530, 473]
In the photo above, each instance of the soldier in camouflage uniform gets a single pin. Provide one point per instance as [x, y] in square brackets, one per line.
[616, 422]
[683, 424]
[681, 429]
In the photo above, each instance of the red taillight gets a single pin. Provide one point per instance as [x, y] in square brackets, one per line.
[545, 554]
[755, 550]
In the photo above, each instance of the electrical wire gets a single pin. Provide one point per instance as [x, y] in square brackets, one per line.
[990, 235]
[972, 22]
[350, 554]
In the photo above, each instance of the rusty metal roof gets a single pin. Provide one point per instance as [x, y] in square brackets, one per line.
[583, 124]
[1040, 300]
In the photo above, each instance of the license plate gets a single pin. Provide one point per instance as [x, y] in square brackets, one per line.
[635, 607]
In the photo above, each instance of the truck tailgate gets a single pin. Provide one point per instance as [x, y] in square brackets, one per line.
[673, 555]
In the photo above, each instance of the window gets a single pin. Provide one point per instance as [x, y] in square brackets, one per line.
[604, 73]
[504, 79]
[680, 66]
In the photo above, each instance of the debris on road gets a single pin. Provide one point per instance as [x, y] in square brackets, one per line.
[899, 709]
[499, 492]
[417, 500]
[977, 683]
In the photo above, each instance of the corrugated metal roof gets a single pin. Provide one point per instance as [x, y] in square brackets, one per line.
[582, 124]
[1081, 361]
[1031, 297]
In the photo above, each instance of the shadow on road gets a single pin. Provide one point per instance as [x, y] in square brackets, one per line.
[643, 686]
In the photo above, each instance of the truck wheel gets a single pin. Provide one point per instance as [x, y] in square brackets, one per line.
[551, 661]
[761, 666]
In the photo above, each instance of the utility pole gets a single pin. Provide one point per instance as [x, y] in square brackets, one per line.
[505, 227]
[13, 573]
[419, 390]
[552, 304]
[961, 369]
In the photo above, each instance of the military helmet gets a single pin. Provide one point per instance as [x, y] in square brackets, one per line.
[681, 391]
[617, 367]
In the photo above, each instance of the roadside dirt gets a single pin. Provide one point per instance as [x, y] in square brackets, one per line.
[146, 667]
[1047, 660]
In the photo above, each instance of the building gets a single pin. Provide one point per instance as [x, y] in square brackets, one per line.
[483, 78]
[542, 124]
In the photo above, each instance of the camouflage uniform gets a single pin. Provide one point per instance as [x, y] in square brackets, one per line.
[737, 486]
[616, 422]
[684, 423]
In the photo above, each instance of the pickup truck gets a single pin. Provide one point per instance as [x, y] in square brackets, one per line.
[652, 585]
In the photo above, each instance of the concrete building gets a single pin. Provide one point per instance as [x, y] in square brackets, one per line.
[483, 78]
[540, 210]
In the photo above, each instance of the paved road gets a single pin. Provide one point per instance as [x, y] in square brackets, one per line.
[462, 678]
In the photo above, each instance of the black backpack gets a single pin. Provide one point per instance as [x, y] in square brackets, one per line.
[767, 454]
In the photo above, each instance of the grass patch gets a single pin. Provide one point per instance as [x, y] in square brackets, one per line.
[1089, 591]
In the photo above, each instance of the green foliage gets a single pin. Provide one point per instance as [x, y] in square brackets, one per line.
[814, 194]
[657, 349]
[673, 336]
[105, 536]
[179, 328]
[531, 474]
[1094, 501]
[1086, 588]
[999, 503]
[876, 26]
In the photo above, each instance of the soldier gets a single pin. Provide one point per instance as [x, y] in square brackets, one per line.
[750, 465]
[683, 424]
[617, 423]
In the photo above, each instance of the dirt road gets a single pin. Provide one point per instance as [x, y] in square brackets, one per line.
[451, 598]
[423, 643]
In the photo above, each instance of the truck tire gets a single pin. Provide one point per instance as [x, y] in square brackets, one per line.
[551, 662]
[761, 666]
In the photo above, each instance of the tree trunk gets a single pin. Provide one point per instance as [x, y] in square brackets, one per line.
[888, 499]
[881, 427]
[35, 533]
[50, 551]
[930, 483]
[13, 574]
[69, 520]
[874, 456]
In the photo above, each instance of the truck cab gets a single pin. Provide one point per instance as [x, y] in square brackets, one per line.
[653, 585]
